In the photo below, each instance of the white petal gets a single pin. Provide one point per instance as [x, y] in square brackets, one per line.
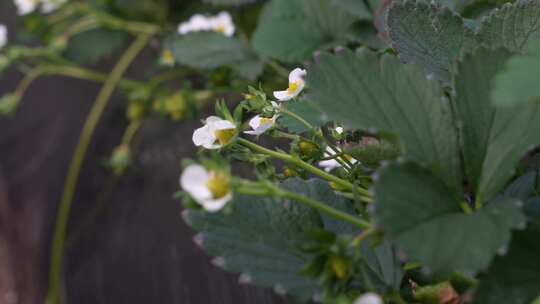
[203, 137]
[194, 180]
[3, 35]
[255, 122]
[339, 130]
[329, 165]
[369, 298]
[214, 205]
[25, 6]
[215, 123]
[282, 95]
[296, 75]
[274, 104]
[48, 6]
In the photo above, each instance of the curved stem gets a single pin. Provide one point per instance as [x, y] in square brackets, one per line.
[57, 251]
[299, 163]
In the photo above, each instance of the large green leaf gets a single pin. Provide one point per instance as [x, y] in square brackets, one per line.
[515, 277]
[357, 8]
[262, 236]
[512, 26]
[494, 139]
[423, 216]
[230, 2]
[518, 82]
[381, 94]
[93, 45]
[207, 50]
[383, 269]
[305, 109]
[428, 35]
[292, 30]
[432, 36]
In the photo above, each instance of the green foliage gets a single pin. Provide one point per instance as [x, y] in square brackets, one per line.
[230, 2]
[292, 31]
[518, 82]
[92, 45]
[305, 109]
[494, 139]
[207, 50]
[357, 8]
[382, 95]
[262, 239]
[514, 278]
[430, 224]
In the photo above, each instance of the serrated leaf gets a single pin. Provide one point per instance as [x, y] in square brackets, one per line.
[518, 82]
[429, 224]
[428, 35]
[512, 26]
[207, 50]
[515, 277]
[494, 139]
[292, 30]
[305, 109]
[383, 267]
[93, 45]
[381, 94]
[262, 236]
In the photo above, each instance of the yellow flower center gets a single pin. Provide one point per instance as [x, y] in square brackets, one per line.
[220, 29]
[266, 121]
[224, 136]
[218, 184]
[167, 57]
[293, 87]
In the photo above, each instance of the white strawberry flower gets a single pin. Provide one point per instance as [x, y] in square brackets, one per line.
[296, 85]
[48, 6]
[331, 164]
[210, 189]
[339, 130]
[3, 35]
[260, 124]
[369, 298]
[215, 133]
[221, 23]
[25, 7]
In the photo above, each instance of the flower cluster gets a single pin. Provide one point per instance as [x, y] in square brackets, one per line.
[25, 7]
[221, 23]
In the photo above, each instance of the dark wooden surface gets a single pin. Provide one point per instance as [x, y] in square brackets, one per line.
[127, 242]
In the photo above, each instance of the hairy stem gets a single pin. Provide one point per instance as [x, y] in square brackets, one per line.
[57, 251]
[299, 163]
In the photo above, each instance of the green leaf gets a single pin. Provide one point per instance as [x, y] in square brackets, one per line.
[383, 268]
[428, 35]
[522, 187]
[292, 30]
[515, 277]
[261, 237]
[305, 109]
[512, 26]
[518, 82]
[494, 140]
[207, 50]
[429, 224]
[357, 8]
[93, 45]
[365, 92]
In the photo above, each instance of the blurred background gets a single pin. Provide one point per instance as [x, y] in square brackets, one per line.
[126, 240]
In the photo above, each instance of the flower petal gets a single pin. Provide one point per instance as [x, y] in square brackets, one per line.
[194, 180]
[297, 75]
[369, 298]
[203, 137]
[214, 205]
[3, 35]
[282, 95]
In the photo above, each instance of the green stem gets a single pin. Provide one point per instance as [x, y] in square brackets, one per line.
[255, 190]
[28, 79]
[299, 163]
[57, 251]
[87, 74]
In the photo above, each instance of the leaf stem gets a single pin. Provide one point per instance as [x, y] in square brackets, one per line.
[299, 163]
[57, 251]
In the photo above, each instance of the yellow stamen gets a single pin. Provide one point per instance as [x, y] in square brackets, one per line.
[266, 121]
[218, 184]
[293, 87]
[220, 29]
[167, 57]
[224, 136]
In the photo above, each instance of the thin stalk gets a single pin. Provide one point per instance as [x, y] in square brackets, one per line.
[57, 251]
[299, 163]
[28, 79]
[88, 74]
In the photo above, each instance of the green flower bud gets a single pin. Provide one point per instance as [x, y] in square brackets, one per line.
[9, 103]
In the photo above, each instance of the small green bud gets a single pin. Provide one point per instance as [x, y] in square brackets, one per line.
[120, 159]
[135, 111]
[289, 172]
[308, 149]
[175, 106]
[9, 103]
[442, 293]
[58, 44]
